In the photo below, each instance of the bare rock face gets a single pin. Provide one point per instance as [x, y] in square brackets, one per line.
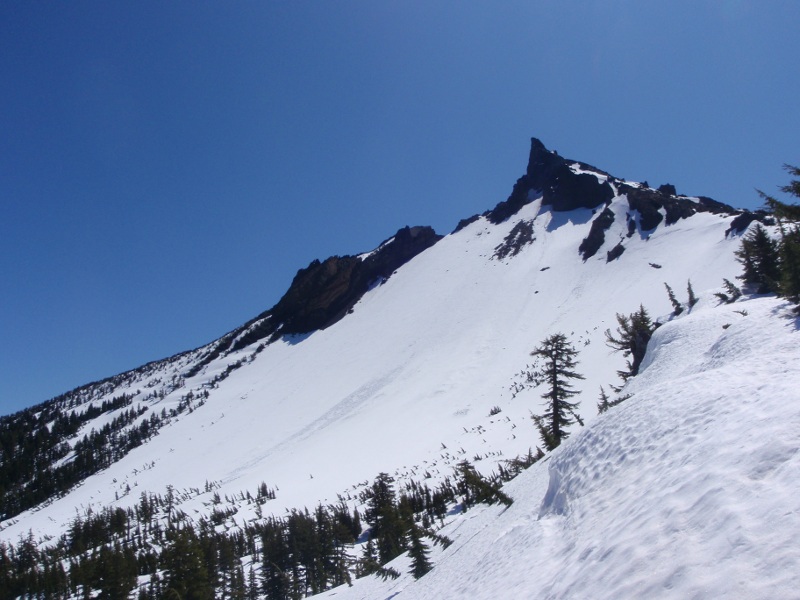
[650, 204]
[325, 291]
[597, 234]
[568, 190]
[550, 175]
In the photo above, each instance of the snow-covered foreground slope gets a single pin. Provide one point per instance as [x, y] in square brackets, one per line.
[689, 489]
[405, 383]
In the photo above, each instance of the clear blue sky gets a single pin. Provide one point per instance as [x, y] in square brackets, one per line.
[166, 167]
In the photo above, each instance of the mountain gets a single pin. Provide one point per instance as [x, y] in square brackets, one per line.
[405, 360]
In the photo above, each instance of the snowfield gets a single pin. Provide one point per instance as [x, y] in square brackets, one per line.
[689, 489]
[405, 383]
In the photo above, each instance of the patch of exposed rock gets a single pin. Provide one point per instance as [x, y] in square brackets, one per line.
[325, 291]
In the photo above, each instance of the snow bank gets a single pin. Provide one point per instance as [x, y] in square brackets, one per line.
[690, 489]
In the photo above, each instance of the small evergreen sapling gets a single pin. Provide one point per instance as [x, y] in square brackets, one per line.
[692, 298]
[606, 403]
[603, 405]
[632, 336]
[731, 293]
[677, 307]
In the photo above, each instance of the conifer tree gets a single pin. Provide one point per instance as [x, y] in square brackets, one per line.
[276, 582]
[787, 283]
[418, 552]
[477, 489]
[603, 405]
[368, 564]
[731, 293]
[388, 529]
[252, 584]
[677, 307]
[186, 573]
[692, 298]
[759, 257]
[557, 364]
[633, 334]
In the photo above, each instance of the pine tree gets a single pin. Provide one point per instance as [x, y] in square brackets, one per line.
[760, 257]
[276, 582]
[387, 527]
[476, 489]
[186, 573]
[788, 216]
[238, 587]
[677, 307]
[633, 334]
[781, 210]
[606, 402]
[731, 294]
[252, 584]
[692, 298]
[789, 284]
[368, 564]
[418, 552]
[557, 364]
[603, 405]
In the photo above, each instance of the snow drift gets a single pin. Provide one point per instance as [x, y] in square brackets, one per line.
[689, 489]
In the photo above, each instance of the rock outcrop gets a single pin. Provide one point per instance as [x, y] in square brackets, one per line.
[324, 291]
[561, 187]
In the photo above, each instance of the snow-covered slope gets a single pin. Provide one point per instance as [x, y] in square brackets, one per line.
[689, 489]
[406, 381]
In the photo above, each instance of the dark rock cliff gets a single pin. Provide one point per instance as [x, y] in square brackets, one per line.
[325, 291]
[565, 184]
[550, 176]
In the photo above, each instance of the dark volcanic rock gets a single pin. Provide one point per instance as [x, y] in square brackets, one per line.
[712, 206]
[550, 175]
[597, 234]
[668, 189]
[568, 190]
[464, 222]
[615, 252]
[647, 203]
[542, 165]
[743, 220]
[324, 292]
[519, 237]
[511, 206]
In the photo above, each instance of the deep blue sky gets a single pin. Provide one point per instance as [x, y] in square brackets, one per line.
[166, 167]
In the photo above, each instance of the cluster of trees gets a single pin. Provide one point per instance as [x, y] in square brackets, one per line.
[153, 550]
[773, 265]
[31, 442]
[34, 442]
[554, 368]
